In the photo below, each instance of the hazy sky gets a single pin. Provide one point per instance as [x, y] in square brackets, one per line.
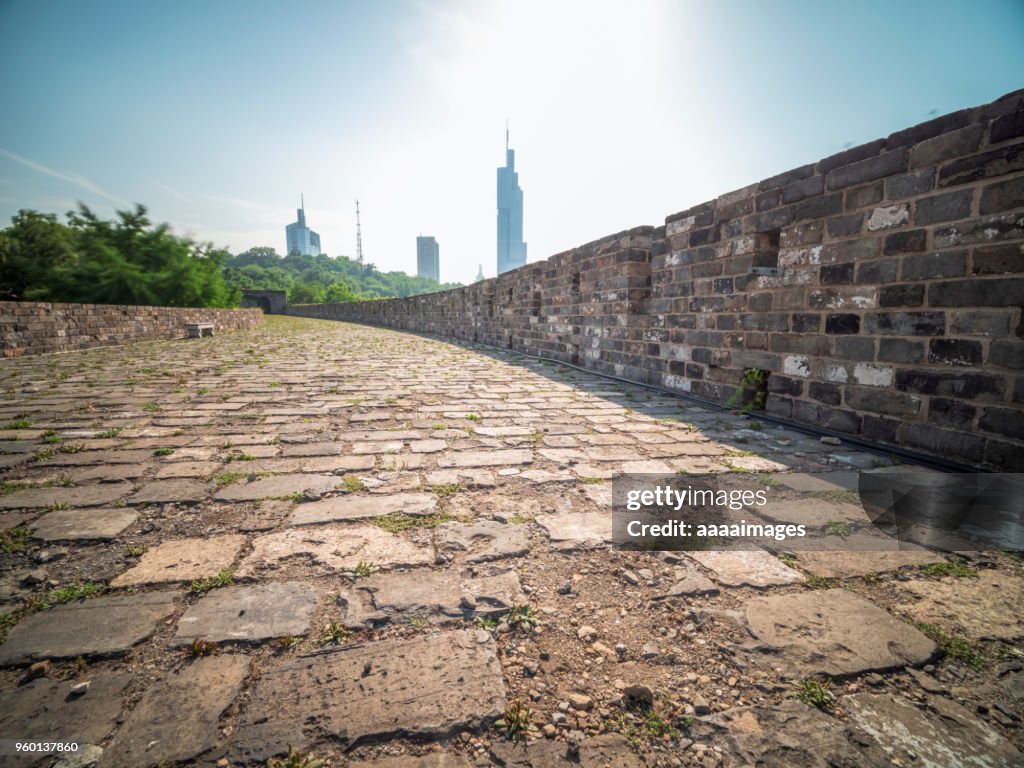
[217, 114]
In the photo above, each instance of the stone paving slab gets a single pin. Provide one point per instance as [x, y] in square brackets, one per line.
[430, 686]
[987, 606]
[435, 596]
[83, 525]
[178, 490]
[175, 469]
[353, 507]
[334, 548]
[747, 569]
[183, 560]
[102, 626]
[486, 458]
[98, 495]
[834, 632]
[45, 710]
[483, 540]
[577, 530]
[844, 565]
[249, 613]
[176, 720]
[277, 486]
[948, 735]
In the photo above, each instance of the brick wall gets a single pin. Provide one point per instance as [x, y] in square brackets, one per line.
[30, 328]
[880, 288]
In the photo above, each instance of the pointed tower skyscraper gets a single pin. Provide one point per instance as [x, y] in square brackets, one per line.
[511, 248]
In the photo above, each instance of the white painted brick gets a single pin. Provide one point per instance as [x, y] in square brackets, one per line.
[680, 383]
[872, 375]
[796, 365]
[889, 217]
[836, 373]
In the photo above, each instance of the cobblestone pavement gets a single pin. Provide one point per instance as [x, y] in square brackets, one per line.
[334, 540]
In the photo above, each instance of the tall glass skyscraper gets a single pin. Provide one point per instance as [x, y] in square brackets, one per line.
[300, 238]
[511, 248]
[428, 258]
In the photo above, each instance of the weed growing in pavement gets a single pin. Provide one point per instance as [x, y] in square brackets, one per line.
[642, 725]
[109, 433]
[819, 582]
[522, 617]
[592, 480]
[201, 648]
[400, 521]
[50, 437]
[515, 723]
[839, 497]
[837, 529]
[224, 479]
[287, 641]
[295, 760]
[135, 551]
[75, 592]
[239, 456]
[13, 540]
[362, 570]
[448, 489]
[163, 451]
[200, 587]
[18, 424]
[814, 692]
[150, 406]
[520, 519]
[949, 569]
[473, 416]
[335, 633]
[352, 484]
[956, 648]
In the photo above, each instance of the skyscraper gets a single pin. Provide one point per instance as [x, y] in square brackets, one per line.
[511, 248]
[428, 258]
[300, 238]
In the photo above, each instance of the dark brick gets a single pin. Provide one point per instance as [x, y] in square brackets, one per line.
[950, 206]
[931, 265]
[906, 323]
[704, 215]
[830, 418]
[951, 413]
[782, 407]
[1018, 390]
[928, 130]
[769, 220]
[760, 302]
[843, 226]
[1007, 127]
[785, 385]
[804, 344]
[967, 386]
[954, 352]
[1008, 457]
[979, 323]
[701, 356]
[704, 236]
[818, 207]
[768, 200]
[694, 371]
[910, 184]
[837, 274]
[874, 272]
[1007, 354]
[842, 324]
[783, 179]
[829, 394]
[806, 322]
[986, 165]
[855, 348]
[885, 164]
[853, 155]
[1000, 292]
[944, 443]
[722, 285]
[1003, 196]
[726, 322]
[981, 231]
[738, 208]
[998, 259]
[879, 428]
[763, 322]
[798, 190]
[901, 295]
[906, 242]
[880, 401]
[1003, 421]
[862, 197]
[900, 351]
[946, 147]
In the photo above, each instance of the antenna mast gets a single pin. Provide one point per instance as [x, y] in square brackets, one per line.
[359, 236]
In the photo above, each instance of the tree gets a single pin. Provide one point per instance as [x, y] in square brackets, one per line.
[30, 249]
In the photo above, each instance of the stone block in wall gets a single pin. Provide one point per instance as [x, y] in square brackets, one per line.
[947, 146]
[1007, 353]
[950, 206]
[980, 322]
[909, 184]
[861, 197]
[947, 412]
[882, 401]
[1007, 127]
[910, 241]
[900, 351]
[855, 348]
[963, 385]
[873, 375]
[836, 419]
[930, 266]
[905, 295]
[869, 169]
[906, 323]
[1002, 196]
[1004, 292]
[998, 259]
[981, 231]
[965, 447]
[1004, 455]
[985, 165]
[844, 226]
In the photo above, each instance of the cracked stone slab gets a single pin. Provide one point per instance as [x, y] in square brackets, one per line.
[98, 495]
[334, 548]
[985, 607]
[44, 710]
[484, 540]
[83, 525]
[947, 735]
[429, 686]
[689, 581]
[183, 560]
[485, 458]
[834, 632]
[473, 478]
[843, 565]
[102, 626]
[176, 720]
[276, 486]
[436, 596]
[353, 507]
[432, 760]
[178, 490]
[427, 446]
[577, 530]
[754, 568]
[248, 613]
[178, 469]
[312, 449]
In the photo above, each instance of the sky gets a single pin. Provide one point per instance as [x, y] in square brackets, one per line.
[217, 114]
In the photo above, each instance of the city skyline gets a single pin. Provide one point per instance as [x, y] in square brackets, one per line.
[298, 237]
[179, 108]
[428, 258]
[511, 248]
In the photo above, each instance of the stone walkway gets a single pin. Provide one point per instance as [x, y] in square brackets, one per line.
[320, 537]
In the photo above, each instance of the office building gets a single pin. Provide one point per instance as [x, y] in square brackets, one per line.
[511, 248]
[300, 238]
[428, 261]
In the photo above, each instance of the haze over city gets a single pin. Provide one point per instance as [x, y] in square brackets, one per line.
[217, 116]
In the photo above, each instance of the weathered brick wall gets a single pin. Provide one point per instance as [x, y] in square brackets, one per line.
[895, 314]
[31, 328]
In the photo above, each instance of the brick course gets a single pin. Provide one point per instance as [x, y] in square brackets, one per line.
[897, 315]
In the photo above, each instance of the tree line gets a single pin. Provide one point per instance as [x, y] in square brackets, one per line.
[130, 260]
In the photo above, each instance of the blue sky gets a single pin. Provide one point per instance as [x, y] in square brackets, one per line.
[217, 114]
